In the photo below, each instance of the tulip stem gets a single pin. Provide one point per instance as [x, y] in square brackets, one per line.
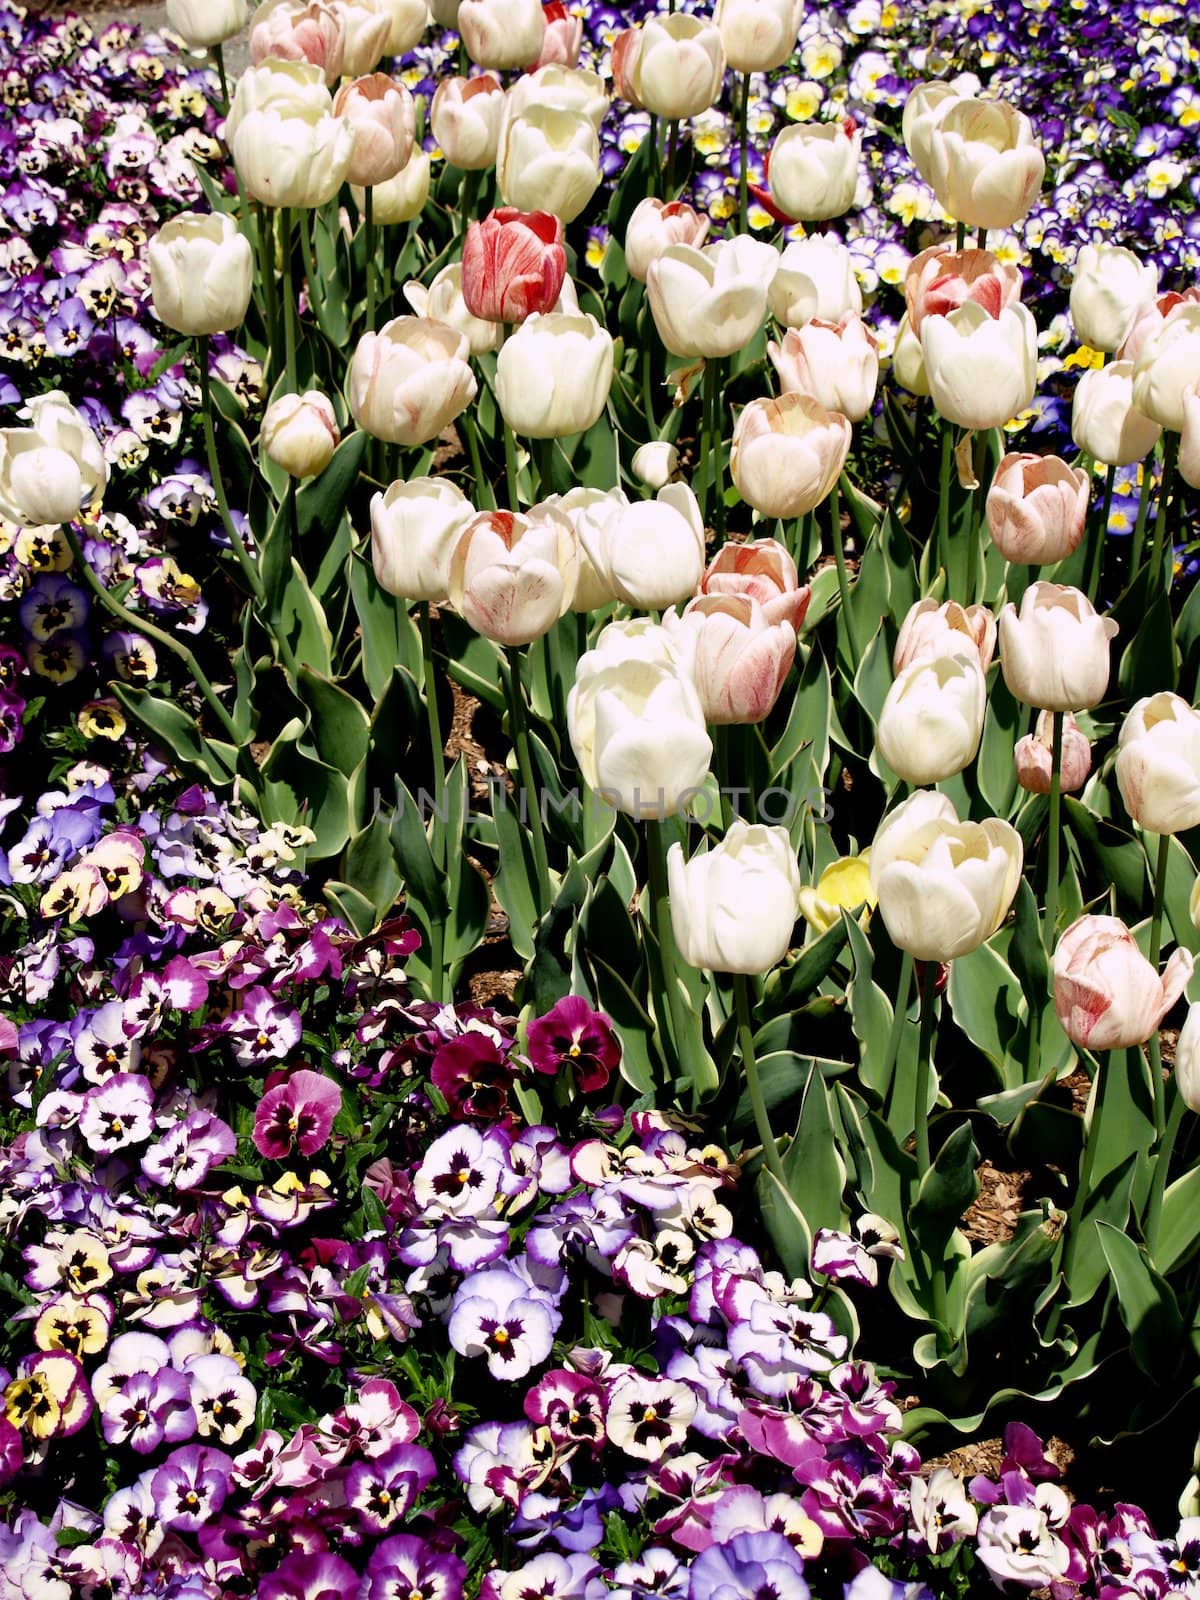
[762, 1122]
[899, 1018]
[978, 498]
[1096, 553]
[249, 570]
[839, 556]
[527, 773]
[289, 299]
[960, 236]
[928, 992]
[369, 231]
[148, 630]
[1160, 562]
[1162, 1169]
[672, 1024]
[545, 459]
[1144, 498]
[467, 191]
[265, 226]
[1055, 827]
[218, 56]
[1075, 1215]
[437, 742]
[672, 143]
[655, 165]
[981, 239]
[1156, 917]
[483, 496]
[716, 475]
[943, 521]
[744, 143]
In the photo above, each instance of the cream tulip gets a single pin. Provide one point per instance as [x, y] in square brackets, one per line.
[443, 302]
[409, 380]
[637, 729]
[984, 164]
[205, 23]
[1108, 287]
[758, 35]
[381, 112]
[502, 34]
[201, 273]
[814, 169]
[673, 66]
[981, 370]
[656, 225]
[300, 433]
[590, 510]
[465, 117]
[1054, 649]
[415, 527]
[651, 554]
[549, 160]
[705, 303]
[733, 908]
[921, 110]
[1168, 365]
[1158, 763]
[943, 886]
[408, 21]
[368, 27]
[52, 469]
[1037, 509]
[931, 722]
[787, 454]
[401, 198]
[815, 278]
[294, 160]
[1106, 994]
[930, 630]
[908, 360]
[563, 88]
[293, 88]
[513, 574]
[739, 660]
[1189, 438]
[656, 463]
[1104, 420]
[553, 375]
[837, 364]
[1187, 1060]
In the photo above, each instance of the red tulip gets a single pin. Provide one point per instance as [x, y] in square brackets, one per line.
[513, 265]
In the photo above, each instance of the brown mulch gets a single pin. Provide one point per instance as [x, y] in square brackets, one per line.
[985, 1456]
[992, 1216]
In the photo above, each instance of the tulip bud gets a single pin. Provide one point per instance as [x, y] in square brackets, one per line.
[656, 225]
[1158, 764]
[290, 30]
[205, 23]
[502, 34]
[931, 630]
[673, 66]
[758, 35]
[300, 433]
[563, 38]
[513, 574]
[443, 301]
[921, 111]
[763, 571]
[409, 380]
[787, 454]
[739, 660]
[553, 375]
[1034, 756]
[844, 885]
[549, 160]
[1187, 1060]
[813, 169]
[837, 364]
[514, 265]
[655, 464]
[465, 118]
[201, 273]
[943, 886]
[940, 280]
[651, 554]
[401, 198]
[381, 112]
[1054, 650]
[984, 165]
[733, 908]
[368, 25]
[1167, 366]
[297, 160]
[981, 370]
[908, 360]
[637, 727]
[52, 469]
[710, 302]
[1109, 286]
[1106, 994]
[1104, 420]
[408, 20]
[1037, 509]
[815, 278]
[415, 527]
[932, 720]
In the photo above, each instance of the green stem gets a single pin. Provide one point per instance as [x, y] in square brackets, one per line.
[437, 742]
[218, 55]
[545, 461]
[1055, 828]
[762, 1122]
[467, 192]
[655, 165]
[672, 145]
[960, 236]
[1144, 498]
[148, 630]
[266, 253]
[1161, 556]
[1160, 885]
[648, 389]
[928, 992]
[525, 767]
[707, 406]
[943, 521]
[978, 498]
[369, 228]
[1162, 1170]
[1075, 1216]
[1096, 553]
[290, 316]
[718, 446]
[511, 467]
[673, 1022]
[899, 1017]
[721, 741]
[482, 496]
[843, 577]
[981, 239]
[249, 570]
[744, 146]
